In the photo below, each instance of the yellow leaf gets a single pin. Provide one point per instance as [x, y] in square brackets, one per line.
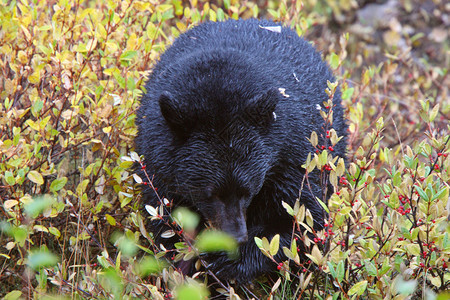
[40, 228]
[22, 56]
[413, 249]
[101, 31]
[36, 177]
[10, 203]
[26, 32]
[35, 77]
[274, 245]
[317, 255]
[131, 42]
[32, 124]
[10, 245]
[91, 44]
[110, 220]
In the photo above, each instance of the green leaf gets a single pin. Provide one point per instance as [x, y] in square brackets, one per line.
[192, 291]
[288, 208]
[274, 245]
[370, 268]
[58, 184]
[126, 245]
[422, 193]
[347, 93]
[36, 177]
[187, 219]
[340, 271]
[334, 61]
[258, 242]
[358, 288]
[443, 296]
[439, 194]
[40, 259]
[213, 241]
[55, 231]
[38, 205]
[149, 265]
[128, 55]
[332, 271]
[404, 287]
[14, 295]
[9, 177]
[434, 112]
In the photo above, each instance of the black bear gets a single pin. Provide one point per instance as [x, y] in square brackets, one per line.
[223, 129]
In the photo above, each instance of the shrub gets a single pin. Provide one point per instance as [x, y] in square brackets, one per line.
[72, 74]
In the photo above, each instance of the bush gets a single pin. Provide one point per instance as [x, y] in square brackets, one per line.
[72, 74]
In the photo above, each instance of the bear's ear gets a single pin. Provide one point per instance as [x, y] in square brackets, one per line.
[261, 108]
[173, 113]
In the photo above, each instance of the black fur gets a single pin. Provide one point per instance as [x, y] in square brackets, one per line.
[219, 136]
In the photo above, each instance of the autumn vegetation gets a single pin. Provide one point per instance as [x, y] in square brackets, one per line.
[72, 221]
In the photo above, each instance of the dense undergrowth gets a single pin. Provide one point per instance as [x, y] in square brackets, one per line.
[72, 224]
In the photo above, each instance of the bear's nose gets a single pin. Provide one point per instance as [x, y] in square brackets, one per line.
[237, 228]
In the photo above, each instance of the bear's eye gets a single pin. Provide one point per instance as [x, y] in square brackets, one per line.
[243, 192]
[210, 193]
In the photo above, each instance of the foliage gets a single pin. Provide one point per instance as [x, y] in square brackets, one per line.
[72, 73]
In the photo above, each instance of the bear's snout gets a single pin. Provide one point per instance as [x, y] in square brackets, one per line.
[232, 220]
[237, 228]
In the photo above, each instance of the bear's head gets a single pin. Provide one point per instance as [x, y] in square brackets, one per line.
[221, 152]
